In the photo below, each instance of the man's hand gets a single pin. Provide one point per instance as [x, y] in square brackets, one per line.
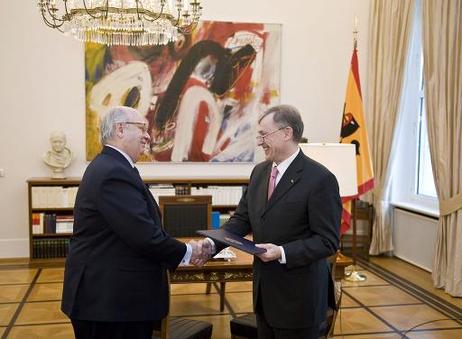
[201, 252]
[273, 252]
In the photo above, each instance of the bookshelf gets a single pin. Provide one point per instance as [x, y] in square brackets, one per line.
[51, 203]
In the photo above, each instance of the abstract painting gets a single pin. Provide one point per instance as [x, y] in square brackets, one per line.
[201, 95]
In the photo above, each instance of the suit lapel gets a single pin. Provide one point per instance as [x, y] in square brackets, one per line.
[262, 189]
[154, 208]
[289, 179]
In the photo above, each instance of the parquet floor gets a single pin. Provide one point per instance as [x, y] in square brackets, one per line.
[384, 306]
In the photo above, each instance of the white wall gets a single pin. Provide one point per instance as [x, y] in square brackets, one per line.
[42, 89]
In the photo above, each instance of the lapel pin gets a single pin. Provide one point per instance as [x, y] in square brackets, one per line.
[291, 181]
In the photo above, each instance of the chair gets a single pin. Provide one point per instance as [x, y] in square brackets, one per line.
[183, 215]
[328, 328]
[181, 328]
[246, 326]
[357, 243]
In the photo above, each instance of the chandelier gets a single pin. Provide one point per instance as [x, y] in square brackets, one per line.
[122, 22]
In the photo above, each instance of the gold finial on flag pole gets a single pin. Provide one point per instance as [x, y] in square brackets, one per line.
[355, 32]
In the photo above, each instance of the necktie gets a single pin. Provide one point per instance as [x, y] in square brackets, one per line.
[272, 181]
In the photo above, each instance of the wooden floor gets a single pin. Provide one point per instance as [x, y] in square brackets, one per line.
[386, 305]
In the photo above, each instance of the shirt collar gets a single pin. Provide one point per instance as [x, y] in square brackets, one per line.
[123, 153]
[283, 166]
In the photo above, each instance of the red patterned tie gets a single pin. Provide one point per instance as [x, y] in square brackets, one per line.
[272, 181]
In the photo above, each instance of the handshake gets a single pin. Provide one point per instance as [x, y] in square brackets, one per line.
[202, 251]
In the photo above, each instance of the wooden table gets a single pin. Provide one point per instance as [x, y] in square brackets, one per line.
[217, 271]
[239, 269]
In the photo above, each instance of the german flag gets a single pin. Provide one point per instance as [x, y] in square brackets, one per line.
[354, 131]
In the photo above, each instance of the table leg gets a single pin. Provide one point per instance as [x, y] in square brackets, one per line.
[222, 296]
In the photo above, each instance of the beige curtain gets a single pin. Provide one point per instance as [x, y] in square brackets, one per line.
[442, 42]
[391, 26]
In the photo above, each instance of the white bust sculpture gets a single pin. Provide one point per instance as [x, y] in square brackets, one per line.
[59, 156]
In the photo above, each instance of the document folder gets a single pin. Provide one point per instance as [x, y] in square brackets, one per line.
[233, 240]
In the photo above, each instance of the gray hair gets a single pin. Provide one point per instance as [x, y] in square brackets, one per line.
[286, 115]
[115, 115]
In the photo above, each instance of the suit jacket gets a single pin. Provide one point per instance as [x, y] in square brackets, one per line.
[119, 253]
[303, 216]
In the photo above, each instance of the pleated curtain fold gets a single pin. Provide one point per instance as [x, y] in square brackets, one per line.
[442, 49]
[390, 31]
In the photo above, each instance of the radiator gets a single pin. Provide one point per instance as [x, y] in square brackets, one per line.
[414, 238]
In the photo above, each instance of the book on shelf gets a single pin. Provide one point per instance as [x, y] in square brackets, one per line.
[64, 224]
[48, 248]
[158, 190]
[53, 196]
[37, 223]
[182, 190]
[50, 223]
[221, 195]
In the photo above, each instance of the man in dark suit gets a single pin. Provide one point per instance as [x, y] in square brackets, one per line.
[115, 283]
[293, 208]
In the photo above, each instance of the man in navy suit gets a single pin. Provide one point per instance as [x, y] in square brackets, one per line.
[293, 208]
[115, 282]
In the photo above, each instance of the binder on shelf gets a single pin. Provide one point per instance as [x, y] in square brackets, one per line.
[215, 220]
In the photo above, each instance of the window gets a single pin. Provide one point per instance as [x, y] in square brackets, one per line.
[425, 182]
[412, 177]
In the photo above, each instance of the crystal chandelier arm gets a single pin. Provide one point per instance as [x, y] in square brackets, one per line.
[59, 28]
[134, 22]
[151, 17]
[55, 22]
[138, 9]
[65, 7]
[90, 12]
[187, 29]
[180, 7]
[194, 14]
[50, 24]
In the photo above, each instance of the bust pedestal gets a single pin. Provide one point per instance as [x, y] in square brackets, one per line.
[58, 173]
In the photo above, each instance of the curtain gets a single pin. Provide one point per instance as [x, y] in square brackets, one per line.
[390, 31]
[442, 48]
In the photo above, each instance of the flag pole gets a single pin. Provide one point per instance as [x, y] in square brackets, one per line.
[354, 275]
[355, 33]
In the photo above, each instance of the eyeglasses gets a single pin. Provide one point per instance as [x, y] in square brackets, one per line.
[141, 125]
[261, 138]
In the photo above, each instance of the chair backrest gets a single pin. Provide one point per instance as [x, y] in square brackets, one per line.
[183, 215]
[179, 327]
